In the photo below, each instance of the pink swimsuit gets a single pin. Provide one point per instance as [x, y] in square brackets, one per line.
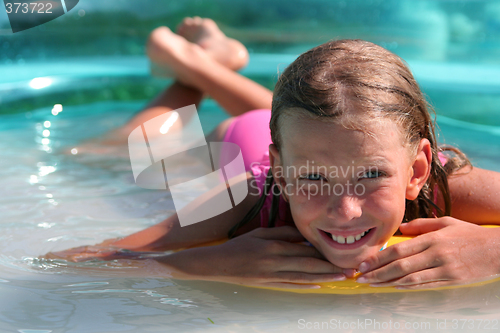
[251, 133]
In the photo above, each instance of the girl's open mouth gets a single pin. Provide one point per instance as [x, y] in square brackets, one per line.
[349, 242]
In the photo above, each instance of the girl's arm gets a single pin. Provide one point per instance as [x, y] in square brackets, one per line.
[169, 235]
[265, 257]
[475, 196]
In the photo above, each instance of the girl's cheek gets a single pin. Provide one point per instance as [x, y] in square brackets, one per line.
[384, 199]
[307, 209]
[308, 200]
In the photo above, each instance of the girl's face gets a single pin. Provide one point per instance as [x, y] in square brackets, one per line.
[347, 188]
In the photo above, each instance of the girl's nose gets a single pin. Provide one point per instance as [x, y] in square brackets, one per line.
[345, 208]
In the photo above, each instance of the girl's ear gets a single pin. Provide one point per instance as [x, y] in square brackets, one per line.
[420, 170]
[277, 169]
[275, 161]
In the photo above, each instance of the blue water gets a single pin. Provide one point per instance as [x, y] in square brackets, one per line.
[51, 200]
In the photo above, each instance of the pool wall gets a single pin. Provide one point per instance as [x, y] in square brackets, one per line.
[452, 47]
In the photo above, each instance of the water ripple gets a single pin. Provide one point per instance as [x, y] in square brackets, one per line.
[164, 299]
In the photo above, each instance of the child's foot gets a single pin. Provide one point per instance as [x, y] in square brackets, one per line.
[193, 33]
[205, 32]
[173, 55]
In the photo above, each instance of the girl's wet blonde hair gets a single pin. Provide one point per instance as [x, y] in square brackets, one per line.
[328, 81]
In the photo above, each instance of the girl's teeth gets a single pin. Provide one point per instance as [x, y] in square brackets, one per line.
[348, 239]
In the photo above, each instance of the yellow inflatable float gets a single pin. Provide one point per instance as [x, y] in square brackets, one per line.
[351, 287]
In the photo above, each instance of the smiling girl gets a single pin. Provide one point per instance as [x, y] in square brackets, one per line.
[346, 105]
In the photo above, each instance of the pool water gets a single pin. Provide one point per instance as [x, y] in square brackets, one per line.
[52, 200]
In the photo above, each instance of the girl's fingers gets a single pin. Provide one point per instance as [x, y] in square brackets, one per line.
[307, 265]
[393, 253]
[423, 279]
[284, 240]
[292, 249]
[422, 226]
[401, 269]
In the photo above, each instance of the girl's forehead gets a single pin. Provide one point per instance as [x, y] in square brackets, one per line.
[375, 128]
[304, 135]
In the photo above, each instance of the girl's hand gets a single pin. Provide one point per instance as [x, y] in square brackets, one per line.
[447, 252]
[263, 257]
[102, 251]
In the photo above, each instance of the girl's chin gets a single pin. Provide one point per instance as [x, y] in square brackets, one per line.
[353, 260]
[347, 263]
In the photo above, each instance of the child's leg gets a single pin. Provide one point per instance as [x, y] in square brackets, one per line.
[204, 69]
[174, 97]
[206, 34]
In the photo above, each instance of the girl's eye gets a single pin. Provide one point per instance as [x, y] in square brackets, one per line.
[313, 176]
[373, 174]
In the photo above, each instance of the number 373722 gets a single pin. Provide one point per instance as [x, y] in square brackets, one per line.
[31, 8]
